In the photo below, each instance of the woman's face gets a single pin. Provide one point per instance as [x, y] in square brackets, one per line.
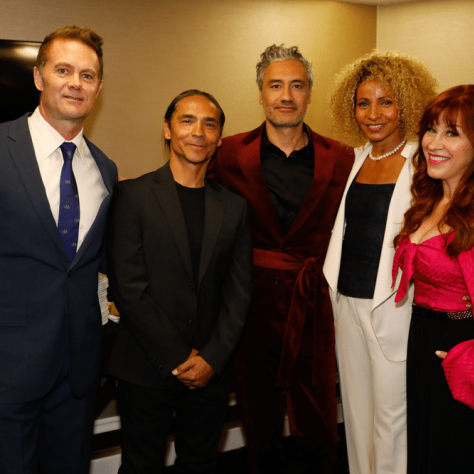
[448, 152]
[377, 114]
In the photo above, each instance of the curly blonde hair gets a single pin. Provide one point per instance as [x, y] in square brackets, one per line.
[407, 77]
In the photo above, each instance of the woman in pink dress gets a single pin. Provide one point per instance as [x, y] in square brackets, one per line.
[435, 249]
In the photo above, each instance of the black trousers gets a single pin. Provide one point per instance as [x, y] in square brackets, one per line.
[262, 409]
[146, 415]
[440, 429]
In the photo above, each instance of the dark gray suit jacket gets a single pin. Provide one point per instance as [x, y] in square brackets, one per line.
[163, 316]
[48, 306]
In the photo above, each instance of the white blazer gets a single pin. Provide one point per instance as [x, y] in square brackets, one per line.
[390, 320]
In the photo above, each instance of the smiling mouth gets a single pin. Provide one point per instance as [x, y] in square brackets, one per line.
[375, 127]
[435, 159]
[75, 99]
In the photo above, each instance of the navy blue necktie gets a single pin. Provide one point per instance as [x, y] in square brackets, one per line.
[68, 221]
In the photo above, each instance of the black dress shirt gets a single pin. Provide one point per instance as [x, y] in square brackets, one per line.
[288, 178]
[192, 206]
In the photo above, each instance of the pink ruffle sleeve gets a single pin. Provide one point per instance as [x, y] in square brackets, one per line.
[459, 371]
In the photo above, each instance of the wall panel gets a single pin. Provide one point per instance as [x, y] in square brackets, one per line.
[155, 49]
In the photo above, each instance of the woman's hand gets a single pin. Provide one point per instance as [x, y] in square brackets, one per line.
[443, 354]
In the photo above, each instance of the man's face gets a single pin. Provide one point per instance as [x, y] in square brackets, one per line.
[285, 93]
[69, 82]
[194, 131]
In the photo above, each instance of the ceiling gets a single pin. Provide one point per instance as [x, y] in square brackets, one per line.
[376, 2]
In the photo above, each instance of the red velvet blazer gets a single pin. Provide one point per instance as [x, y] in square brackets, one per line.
[279, 259]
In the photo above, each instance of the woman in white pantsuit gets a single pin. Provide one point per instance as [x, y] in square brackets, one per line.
[377, 101]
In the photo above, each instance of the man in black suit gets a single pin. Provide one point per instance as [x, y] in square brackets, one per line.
[55, 189]
[180, 260]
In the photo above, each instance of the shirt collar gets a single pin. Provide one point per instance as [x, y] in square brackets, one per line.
[267, 143]
[409, 149]
[49, 139]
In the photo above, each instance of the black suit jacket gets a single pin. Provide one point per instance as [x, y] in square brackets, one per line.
[48, 306]
[163, 316]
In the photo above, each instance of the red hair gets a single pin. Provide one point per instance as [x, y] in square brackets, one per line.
[457, 106]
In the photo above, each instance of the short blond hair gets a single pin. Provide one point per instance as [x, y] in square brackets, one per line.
[84, 35]
[410, 81]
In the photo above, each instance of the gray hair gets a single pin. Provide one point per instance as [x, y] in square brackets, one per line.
[280, 53]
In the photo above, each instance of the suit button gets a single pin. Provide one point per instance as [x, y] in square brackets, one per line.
[190, 320]
[69, 273]
[277, 281]
[191, 288]
[283, 247]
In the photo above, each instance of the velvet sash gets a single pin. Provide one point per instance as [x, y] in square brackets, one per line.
[309, 277]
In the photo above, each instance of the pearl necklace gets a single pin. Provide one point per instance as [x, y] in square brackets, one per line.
[378, 158]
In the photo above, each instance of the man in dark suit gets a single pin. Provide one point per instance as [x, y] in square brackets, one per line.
[55, 188]
[180, 260]
[293, 180]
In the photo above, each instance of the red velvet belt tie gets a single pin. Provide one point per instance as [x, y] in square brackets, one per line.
[309, 271]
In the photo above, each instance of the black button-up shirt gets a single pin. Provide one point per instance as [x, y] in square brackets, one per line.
[288, 178]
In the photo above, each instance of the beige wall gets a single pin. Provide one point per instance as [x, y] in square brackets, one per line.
[439, 32]
[155, 49]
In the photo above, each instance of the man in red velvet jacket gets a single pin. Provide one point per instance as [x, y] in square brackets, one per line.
[293, 180]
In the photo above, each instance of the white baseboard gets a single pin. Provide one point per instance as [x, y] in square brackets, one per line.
[108, 461]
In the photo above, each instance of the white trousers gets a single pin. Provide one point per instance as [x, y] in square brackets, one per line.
[373, 391]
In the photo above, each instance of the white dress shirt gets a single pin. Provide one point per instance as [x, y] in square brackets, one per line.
[90, 185]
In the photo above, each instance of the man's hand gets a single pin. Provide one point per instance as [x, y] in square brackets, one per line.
[195, 372]
[194, 352]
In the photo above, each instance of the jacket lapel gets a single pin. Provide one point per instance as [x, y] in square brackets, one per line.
[109, 182]
[399, 203]
[165, 192]
[324, 160]
[333, 256]
[96, 225]
[108, 178]
[214, 212]
[250, 164]
[23, 155]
